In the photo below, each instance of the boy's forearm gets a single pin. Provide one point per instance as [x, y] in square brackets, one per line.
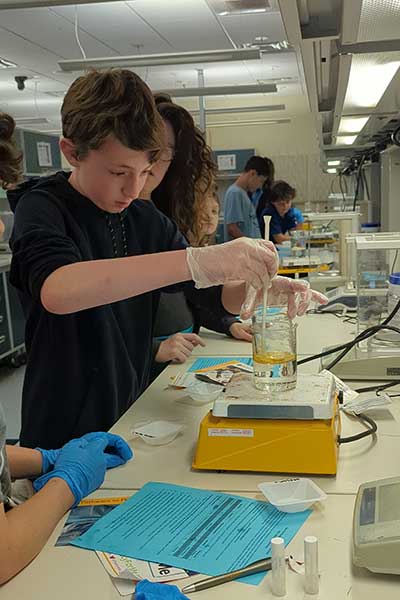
[24, 462]
[88, 284]
[25, 529]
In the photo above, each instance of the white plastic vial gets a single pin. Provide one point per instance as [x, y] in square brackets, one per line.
[311, 577]
[278, 564]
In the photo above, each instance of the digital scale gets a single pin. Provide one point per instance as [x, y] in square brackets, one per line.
[341, 298]
[376, 526]
[296, 432]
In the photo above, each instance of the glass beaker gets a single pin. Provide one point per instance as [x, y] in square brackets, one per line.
[298, 243]
[274, 350]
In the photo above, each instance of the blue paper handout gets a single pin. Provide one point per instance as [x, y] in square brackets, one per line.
[203, 531]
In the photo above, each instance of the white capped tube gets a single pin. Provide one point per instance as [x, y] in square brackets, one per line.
[311, 577]
[278, 564]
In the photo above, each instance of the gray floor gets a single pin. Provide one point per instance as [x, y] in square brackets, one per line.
[11, 381]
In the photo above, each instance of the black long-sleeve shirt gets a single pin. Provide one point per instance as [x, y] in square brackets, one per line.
[86, 368]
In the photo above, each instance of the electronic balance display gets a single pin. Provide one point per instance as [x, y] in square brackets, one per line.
[376, 526]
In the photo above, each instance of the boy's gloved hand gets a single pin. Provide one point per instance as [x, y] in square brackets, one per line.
[117, 452]
[244, 259]
[147, 590]
[82, 463]
[297, 295]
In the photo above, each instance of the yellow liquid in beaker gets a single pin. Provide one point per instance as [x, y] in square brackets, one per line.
[273, 358]
[275, 371]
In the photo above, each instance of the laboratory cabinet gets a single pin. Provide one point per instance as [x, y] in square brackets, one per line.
[12, 320]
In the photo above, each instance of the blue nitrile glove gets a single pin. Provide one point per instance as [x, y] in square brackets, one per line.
[146, 590]
[49, 458]
[117, 451]
[82, 465]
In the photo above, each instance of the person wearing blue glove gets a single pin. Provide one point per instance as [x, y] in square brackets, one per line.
[61, 479]
[146, 590]
[117, 451]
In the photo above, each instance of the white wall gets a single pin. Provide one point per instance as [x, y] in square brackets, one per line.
[292, 146]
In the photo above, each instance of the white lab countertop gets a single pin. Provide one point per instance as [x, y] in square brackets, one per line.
[69, 572]
[72, 573]
[172, 462]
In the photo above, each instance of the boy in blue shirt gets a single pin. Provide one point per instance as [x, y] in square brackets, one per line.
[283, 218]
[240, 218]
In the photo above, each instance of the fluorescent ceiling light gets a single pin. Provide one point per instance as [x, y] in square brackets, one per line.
[345, 139]
[9, 4]
[223, 90]
[249, 11]
[333, 163]
[242, 109]
[7, 64]
[352, 124]
[370, 75]
[246, 123]
[154, 60]
[30, 121]
[331, 170]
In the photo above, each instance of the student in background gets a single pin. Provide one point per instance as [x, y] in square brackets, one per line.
[181, 185]
[258, 197]
[61, 477]
[240, 216]
[208, 220]
[281, 212]
[263, 197]
[89, 260]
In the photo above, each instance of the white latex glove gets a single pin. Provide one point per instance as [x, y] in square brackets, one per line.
[244, 259]
[297, 295]
[178, 348]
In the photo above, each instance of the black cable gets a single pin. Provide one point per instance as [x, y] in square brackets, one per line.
[394, 262]
[370, 331]
[342, 192]
[366, 185]
[378, 388]
[361, 338]
[395, 137]
[369, 424]
[358, 182]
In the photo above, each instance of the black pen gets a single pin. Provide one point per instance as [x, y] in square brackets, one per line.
[203, 584]
[208, 380]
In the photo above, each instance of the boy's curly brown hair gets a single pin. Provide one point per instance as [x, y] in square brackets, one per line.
[113, 102]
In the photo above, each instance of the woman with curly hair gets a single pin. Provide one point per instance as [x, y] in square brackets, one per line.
[188, 177]
[182, 186]
[10, 158]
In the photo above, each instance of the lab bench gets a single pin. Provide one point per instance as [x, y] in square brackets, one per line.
[70, 572]
[12, 320]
